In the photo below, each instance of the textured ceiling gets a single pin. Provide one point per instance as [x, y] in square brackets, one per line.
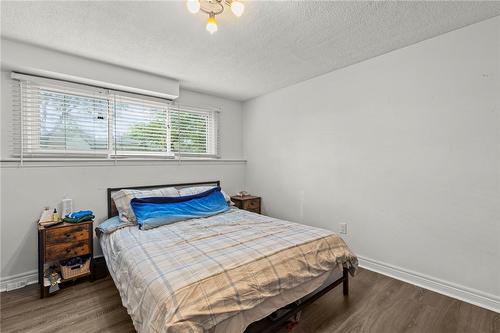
[273, 45]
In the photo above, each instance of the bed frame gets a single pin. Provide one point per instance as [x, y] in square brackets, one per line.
[267, 324]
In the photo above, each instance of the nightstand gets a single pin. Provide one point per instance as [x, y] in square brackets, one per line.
[247, 202]
[61, 242]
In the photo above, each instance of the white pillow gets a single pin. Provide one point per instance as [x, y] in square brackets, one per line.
[122, 200]
[198, 189]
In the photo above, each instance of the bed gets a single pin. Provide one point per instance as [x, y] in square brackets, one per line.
[223, 273]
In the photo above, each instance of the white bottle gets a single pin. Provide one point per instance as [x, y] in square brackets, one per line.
[66, 207]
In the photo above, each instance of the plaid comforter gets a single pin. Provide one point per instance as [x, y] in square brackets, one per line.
[191, 275]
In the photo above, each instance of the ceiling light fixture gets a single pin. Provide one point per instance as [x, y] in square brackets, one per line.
[193, 6]
[212, 23]
[237, 7]
[213, 8]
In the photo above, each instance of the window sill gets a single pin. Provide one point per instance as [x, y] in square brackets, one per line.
[94, 162]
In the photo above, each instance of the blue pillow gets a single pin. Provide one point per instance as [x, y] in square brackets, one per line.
[112, 224]
[157, 211]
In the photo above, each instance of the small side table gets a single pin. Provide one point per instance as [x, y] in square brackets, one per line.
[61, 242]
[247, 202]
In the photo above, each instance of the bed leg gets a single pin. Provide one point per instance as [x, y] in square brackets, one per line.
[345, 282]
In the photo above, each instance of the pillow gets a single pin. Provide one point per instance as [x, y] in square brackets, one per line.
[199, 189]
[111, 225]
[122, 200]
[157, 211]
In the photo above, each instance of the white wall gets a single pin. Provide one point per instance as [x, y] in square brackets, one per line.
[42, 61]
[26, 190]
[404, 147]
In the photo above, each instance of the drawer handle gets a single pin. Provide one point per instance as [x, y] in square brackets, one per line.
[68, 250]
[67, 235]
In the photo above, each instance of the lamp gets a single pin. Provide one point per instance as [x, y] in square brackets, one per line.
[213, 8]
[237, 7]
[211, 24]
[193, 6]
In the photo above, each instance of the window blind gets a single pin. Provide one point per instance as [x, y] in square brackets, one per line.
[193, 131]
[141, 127]
[57, 119]
[61, 119]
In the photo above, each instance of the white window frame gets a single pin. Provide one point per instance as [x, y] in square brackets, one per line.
[74, 88]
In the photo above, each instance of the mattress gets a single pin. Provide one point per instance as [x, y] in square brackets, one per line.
[219, 273]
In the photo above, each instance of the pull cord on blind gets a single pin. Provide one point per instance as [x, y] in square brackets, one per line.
[60, 119]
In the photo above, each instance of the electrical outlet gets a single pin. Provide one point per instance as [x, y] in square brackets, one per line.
[343, 228]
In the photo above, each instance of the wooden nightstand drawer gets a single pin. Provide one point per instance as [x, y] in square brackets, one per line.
[253, 210]
[251, 204]
[67, 234]
[66, 250]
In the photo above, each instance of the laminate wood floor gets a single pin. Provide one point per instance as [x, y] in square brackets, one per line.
[376, 304]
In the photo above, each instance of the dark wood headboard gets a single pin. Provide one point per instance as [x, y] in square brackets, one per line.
[111, 204]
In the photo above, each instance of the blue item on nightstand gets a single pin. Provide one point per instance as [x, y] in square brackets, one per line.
[79, 214]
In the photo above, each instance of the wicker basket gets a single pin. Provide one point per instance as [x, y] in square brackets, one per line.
[70, 272]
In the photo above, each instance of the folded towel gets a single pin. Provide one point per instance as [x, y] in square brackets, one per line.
[81, 213]
[80, 219]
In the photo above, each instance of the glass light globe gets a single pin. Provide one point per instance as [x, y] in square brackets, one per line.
[237, 8]
[211, 24]
[193, 6]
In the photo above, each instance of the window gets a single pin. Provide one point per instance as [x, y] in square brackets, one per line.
[57, 119]
[192, 132]
[140, 127]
